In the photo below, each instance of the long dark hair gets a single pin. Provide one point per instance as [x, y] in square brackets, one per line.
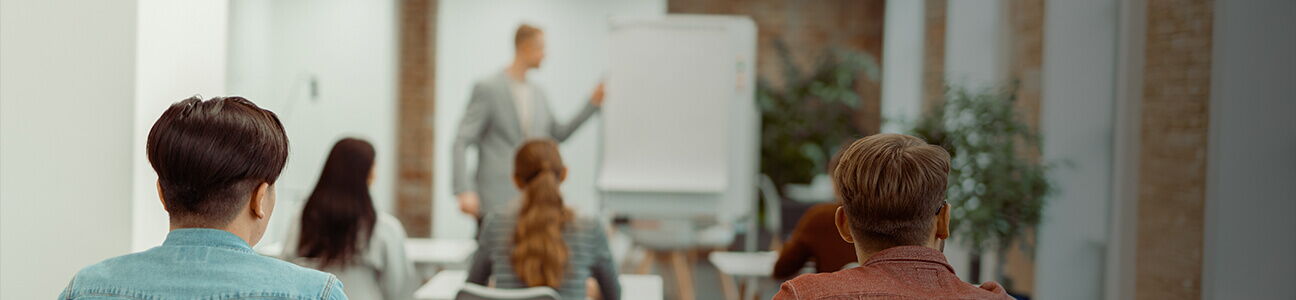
[539, 253]
[339, 215]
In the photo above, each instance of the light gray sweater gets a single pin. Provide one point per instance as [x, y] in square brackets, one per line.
[382, 272]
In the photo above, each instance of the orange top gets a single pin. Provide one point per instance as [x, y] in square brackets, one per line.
[815, 238]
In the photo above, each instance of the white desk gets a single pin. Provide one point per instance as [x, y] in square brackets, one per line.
[751, 266]
[446, 284]
[440, 252]
[641, 287]
[745, 264]
[443, 286]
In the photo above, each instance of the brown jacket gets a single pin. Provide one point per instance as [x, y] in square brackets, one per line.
[815, 238]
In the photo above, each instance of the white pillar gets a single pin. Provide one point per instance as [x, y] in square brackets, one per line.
[181, 53]
[67, 96]
[976, 48]
[902, 66]
[976, 51]
[1077, 122]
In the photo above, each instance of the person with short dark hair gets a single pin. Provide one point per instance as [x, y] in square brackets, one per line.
[217, 162]
[340, 232]
[892, 189]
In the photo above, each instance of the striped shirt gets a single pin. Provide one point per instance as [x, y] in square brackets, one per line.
[587, 250]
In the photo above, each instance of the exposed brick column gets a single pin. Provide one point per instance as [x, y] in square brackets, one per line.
[808, 28]
[415, 116]
[1026, 22]
[1172, 158]
[1027, 25]
[933, 85]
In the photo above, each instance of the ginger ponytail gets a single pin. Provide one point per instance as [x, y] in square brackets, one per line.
[539, 253]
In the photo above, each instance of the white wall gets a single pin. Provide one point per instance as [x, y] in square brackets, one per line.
[902, 66]
[349, 48]
[176, 58]
[1077, 122]
[66, 114]
[1249, 227]
[475, 40]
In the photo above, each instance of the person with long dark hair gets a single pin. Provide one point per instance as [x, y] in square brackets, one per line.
[341, 233]
[542, 243]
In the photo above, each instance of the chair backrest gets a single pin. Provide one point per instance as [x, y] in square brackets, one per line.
[773, 205]
[477, 292]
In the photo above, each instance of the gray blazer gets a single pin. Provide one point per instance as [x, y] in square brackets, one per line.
[491, 123]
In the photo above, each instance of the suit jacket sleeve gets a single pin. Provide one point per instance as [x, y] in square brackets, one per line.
[562, 131]
[471, 128]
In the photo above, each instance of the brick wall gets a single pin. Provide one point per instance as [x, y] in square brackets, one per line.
[415, 116]
[933, 85]
[1026, 36]
[808, 28]
[1172, 168]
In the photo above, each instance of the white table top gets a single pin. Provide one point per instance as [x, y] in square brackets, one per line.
[641, 287]
[752, 264]
[447, 283]
[443, 286]
[440, 251]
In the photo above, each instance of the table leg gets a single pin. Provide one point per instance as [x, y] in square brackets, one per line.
[683, 275]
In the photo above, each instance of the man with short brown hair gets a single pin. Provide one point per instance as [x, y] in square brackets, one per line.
[892, 189]
[504, 110]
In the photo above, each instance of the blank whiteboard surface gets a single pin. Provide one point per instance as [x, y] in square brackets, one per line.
[666, 118]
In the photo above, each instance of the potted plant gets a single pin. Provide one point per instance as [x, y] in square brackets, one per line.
[804, 120]
[997, 189]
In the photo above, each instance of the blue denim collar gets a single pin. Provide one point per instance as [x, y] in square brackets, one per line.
[206, 237]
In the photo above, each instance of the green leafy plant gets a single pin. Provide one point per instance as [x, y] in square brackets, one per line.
[996, 190]
[804, 121]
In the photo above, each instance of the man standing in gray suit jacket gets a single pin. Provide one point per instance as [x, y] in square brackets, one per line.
[504, 111]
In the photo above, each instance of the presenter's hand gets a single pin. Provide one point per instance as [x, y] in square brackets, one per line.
[597, 98]
[469, 203]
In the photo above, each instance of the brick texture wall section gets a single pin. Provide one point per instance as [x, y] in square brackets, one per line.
[415, 116]
[1172, 167]
[808, 28]
[1026, 59]
[933, 85]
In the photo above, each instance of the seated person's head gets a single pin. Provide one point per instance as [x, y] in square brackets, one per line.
[539, 253]
[217, 162]
[339, 215]
[892, 189]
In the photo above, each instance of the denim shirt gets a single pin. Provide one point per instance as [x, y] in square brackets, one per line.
[196, 263]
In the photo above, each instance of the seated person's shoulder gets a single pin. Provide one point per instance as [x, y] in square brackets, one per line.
[158, 272]
[869, 281]
[389, 226]
[587, 222]
[305, 278]
[817, 285]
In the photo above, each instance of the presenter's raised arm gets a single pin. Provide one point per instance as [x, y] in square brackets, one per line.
[562, 131]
